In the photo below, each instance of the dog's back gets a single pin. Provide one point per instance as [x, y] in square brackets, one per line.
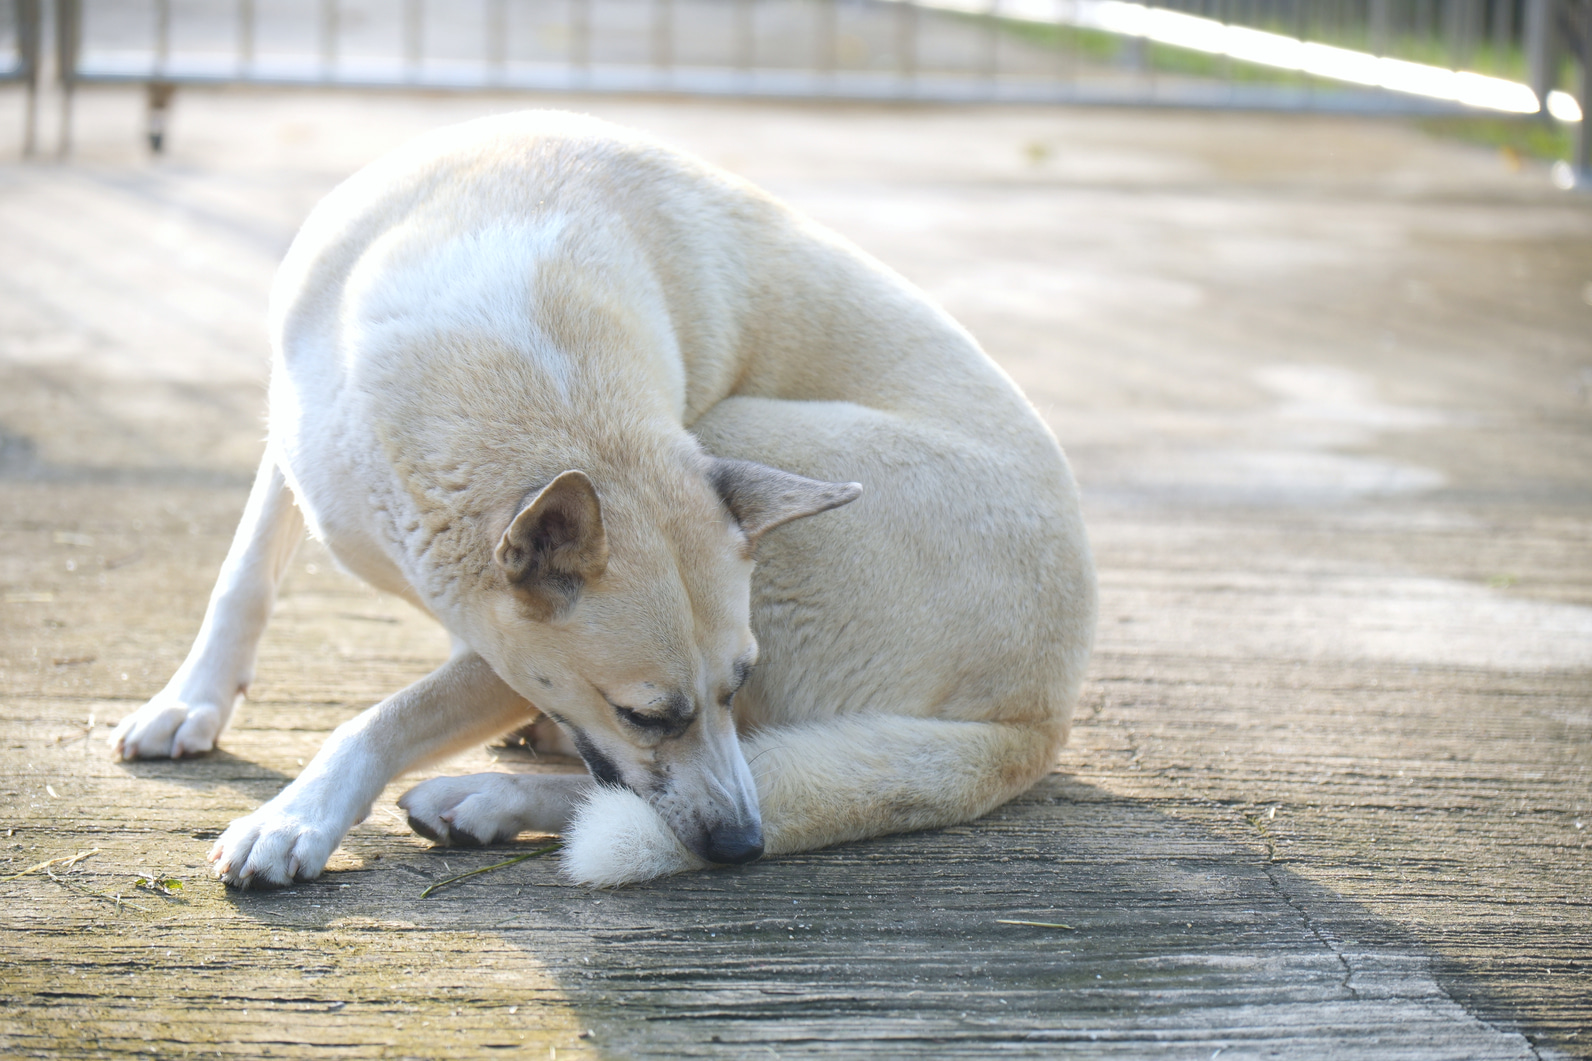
[504, 305]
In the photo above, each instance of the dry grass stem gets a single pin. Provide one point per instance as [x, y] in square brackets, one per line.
[488, 869]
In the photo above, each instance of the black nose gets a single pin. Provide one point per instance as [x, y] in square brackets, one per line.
[733, 845]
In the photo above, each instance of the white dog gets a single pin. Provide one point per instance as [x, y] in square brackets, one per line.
[555, 385]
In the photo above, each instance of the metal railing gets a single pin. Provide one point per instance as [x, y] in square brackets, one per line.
[20, 34]
[1346, 55]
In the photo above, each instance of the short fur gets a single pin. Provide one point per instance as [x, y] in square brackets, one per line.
[558, 386]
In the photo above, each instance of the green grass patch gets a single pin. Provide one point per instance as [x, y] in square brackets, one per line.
[1527, 137]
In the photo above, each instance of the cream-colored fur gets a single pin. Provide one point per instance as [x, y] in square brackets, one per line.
[560, 386]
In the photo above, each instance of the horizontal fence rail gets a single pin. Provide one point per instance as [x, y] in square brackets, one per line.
[1391, 56]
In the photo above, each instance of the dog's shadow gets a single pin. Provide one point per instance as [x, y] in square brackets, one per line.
[1072, 915]
[222, 781]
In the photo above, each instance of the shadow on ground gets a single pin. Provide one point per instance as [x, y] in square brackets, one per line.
[1176, 940]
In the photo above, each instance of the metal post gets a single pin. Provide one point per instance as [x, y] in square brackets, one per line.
[30, 29]
[745, 43]
[1464, 30]
[68, 31]
[907, 41]
[157, 108]
[989, 60]
[497, 31]
[662, 34]
[1581, 163]
[245, 35]
[414, 26]
[162, 36]
[826, 37]
[1503, 33]
[330, 17]
[1541, 50]
[580, 38]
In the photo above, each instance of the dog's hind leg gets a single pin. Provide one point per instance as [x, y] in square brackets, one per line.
[461, 703]
[823, 783]
[187, 715]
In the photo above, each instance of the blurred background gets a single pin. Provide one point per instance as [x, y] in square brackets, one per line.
[1304, 287]
[1373, 56]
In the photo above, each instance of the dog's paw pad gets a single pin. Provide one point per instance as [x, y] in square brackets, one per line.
[617, 838]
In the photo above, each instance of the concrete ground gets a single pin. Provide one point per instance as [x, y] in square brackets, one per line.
[1328, 387]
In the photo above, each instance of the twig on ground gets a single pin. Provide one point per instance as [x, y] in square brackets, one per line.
[64, 860]
[1035, 924]
[488, 869]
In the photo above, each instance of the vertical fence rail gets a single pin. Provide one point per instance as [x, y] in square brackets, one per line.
[330, 27]
[245, 37]
[662, 38]
[413, 32]
[1581, 161]
[826, 37]
[29, 33]
[496, 44]
[580, 39]
[68, 42]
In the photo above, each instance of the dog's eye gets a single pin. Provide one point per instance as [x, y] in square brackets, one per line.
[646, 723]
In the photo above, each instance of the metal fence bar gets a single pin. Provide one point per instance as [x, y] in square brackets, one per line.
[1581, 158]
[868, 49]
[330, 27]
[496, 43]
[1541, 46]
[826, 37]
[30, 34]
[745, 43]
[663, 36]
[906, 44]
[580, 39]
[414, 16]
[162, 36]
[68, 42]
[245, 35]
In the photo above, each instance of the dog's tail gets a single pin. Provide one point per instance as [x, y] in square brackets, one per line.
[829, 782]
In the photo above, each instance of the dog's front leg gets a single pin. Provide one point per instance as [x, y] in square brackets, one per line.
[187, 716]
[461, 703]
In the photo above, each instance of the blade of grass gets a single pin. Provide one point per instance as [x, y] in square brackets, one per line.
[1036, 924]
[488, 869]
[64, 860]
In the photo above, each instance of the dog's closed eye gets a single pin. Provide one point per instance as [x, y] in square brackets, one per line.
[673, 717]
[649, 723]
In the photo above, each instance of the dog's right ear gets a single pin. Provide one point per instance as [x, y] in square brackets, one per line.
[555, 545]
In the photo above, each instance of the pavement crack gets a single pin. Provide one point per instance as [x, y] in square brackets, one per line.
[1270, 866]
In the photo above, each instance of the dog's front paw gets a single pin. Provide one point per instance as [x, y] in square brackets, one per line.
[169, 727]
[273, 847]
[466, 811]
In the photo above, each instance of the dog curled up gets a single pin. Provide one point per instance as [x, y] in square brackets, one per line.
[777, 548]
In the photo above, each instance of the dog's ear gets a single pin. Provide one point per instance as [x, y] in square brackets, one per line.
[762, 498]
[555, 545]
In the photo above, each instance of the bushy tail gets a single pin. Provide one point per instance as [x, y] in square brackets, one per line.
[826, 783]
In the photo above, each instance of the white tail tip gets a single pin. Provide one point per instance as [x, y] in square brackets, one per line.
[616, 838]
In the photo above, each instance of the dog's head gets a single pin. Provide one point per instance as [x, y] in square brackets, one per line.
[625, 619]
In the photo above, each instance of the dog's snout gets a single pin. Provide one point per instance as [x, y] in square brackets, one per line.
[733, 845]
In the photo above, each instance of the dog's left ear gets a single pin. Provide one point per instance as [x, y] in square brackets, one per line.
[555, 545]
[762, 498]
